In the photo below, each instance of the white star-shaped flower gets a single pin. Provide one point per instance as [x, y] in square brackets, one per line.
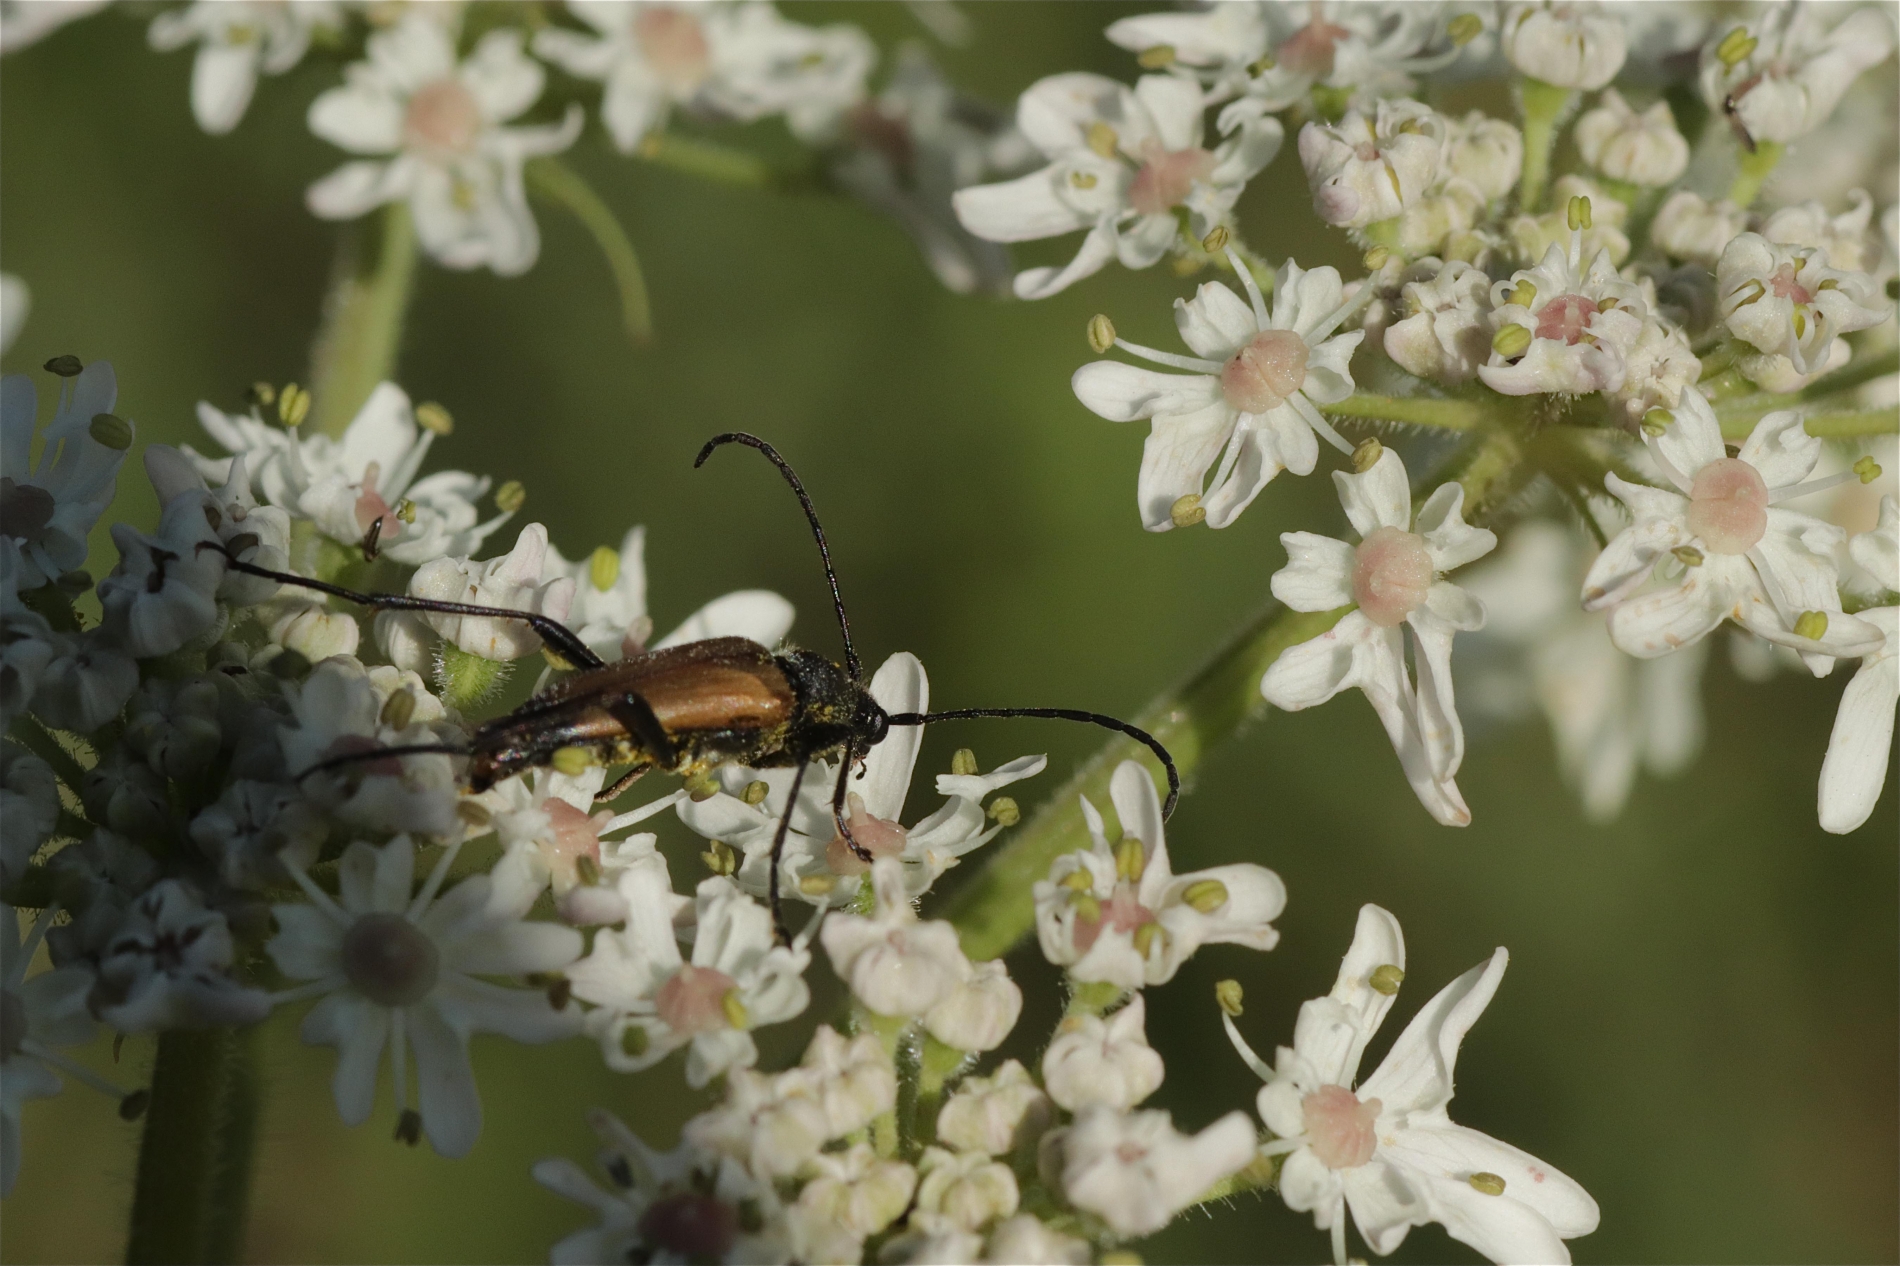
[1371, 166]
[403, 969]
[1578, 325]
[1246, 408]
[1719, 548]
[1788, 70]
[48, 509]
[1862, 742]
[1387, 1149]
[164, 590]
[1393, 575]
[1121, 161]
[169, 966]
[1786, 301]
[1119, 914]
[450, 157]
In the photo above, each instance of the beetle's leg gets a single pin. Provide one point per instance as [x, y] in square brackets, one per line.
[620, 784]
[636, 714]
[562, 640]
[858, 850]
[778, 853]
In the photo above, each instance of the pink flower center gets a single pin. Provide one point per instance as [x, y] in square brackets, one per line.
[690, 1227]
[675, 47]
[572, 835]
[443, 119]
[24, 509]
[1167, 177]
[1339, 1128]
[1261, 375]
[370, 507]
[1122, 912]
[882, 838]
[1310, 49]
[390, 960]
[694, 1000]
[1784, 284]
[1130, 1153]
[1565, 318]
[1728, 506]
[1391, 574]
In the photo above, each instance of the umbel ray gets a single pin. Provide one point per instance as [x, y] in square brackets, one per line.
[688, 709]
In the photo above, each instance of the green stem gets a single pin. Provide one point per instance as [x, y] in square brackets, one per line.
[195, 1158]
[1840, 426]
[357, 343]
[1755, 167]
[1545, 106]
[995, 908]
[557, 182]
[1446, 414]
[1745, 411]
[707, 161]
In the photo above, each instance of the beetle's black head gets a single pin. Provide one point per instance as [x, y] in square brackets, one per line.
[833, 707]
[873, 722]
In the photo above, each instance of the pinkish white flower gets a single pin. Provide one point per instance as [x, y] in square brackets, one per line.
[1579, 324]
[1643, 148]
[1566, 44]
[1790, 67]
[1092, 1062]
[1787, 301]
[1135, 1171]
[1372, 165]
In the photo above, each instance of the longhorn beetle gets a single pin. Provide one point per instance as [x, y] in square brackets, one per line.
[689, 708]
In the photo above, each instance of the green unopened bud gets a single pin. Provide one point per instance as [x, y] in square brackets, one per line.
[817, 885]
[603, 568]
[1736, 47]
[1102, 139]
[1523, 294]
[473, 812]
[293, 404]
[111, 430]
[1464, 28]
[1160, 57]
[1101, 333]
[1087, 908]
[1868, 469]
[756, 791]
[734, 1007]
[1130, 859]
[510, 496]
[633, 1041]
[1688, 555]
[431, 416]
[1079, 881]
[1366, 455]
[1187, 510]
[720, 859]
[963, 763]
[1004, 812]
[1511, 341]
[65, 366]
[1386, 979]
[587, 870]
[1656, 421]
[702, 786]
[1228, 994]
[1488, 1184]
[1216, 240]
[1376, 258]
[572, 761]
[398, 710]
[1146, 935]
[1811, 625]
[1207, 895]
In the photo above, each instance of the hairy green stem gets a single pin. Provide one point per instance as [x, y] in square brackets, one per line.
[1755, 167]
[996, 907]
[1745, 411]
[1842, 426]
[557, 182]
[1545, 106]
[357, 343]
[1445, 414]
[195, 1158]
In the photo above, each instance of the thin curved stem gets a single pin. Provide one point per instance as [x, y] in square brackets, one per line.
[558, 182]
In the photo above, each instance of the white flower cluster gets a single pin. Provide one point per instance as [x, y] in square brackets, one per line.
[1626, 301]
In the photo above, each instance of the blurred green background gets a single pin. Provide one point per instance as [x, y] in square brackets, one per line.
[1699, 1023]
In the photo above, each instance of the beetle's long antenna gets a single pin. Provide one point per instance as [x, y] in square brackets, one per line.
[778, 851]
[1134, 732]
[564, 641]
[378, 753]
[811, 515]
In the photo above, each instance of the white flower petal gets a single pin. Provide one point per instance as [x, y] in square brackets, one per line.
[1318, 572]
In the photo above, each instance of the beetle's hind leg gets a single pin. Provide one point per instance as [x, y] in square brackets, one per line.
[620, 784]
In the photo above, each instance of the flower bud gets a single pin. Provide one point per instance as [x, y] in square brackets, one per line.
[963, 1192]
[1566, 46]
[1643, 149]
[978, 1013]
[1688, 227]
[997, 1114]
[1102, 1062]
[315, 632]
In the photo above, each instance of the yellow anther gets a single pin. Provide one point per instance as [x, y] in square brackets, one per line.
[1688, 555]
[1523, 294]
[1079, 881]
[1488, 1184]
[431, 416]
[720, 859]
[1736, 47]
[603, 568]
[1187, 510]
[1004, 811]
[756, 791]
[734, 1007]
[1207, 896]
[1102, 139]
[65, 366]
[1228, 994]
[1261, 65]
[817, 885]
[1464, 28]
[1146, 935]
[1160, 57]
[1082, 179]
[1101, 333]
[1578, 214]
[963, 762]
[1131, 858]
[293, 405]
[1811, 625]
[510, 496]
[263, 393]
[1511, 341]
[473, 812]
[1087, 908]
[572, 761]
[587, 870]
[555, 661]
[1386, 979]
[1868, 469]
[1216, 240]
[1367, 454]
[111, 430]
[398, 710]
[1376, 258]
[702, 786]
[405, 511]
[1656, 421]
[633, 1041]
